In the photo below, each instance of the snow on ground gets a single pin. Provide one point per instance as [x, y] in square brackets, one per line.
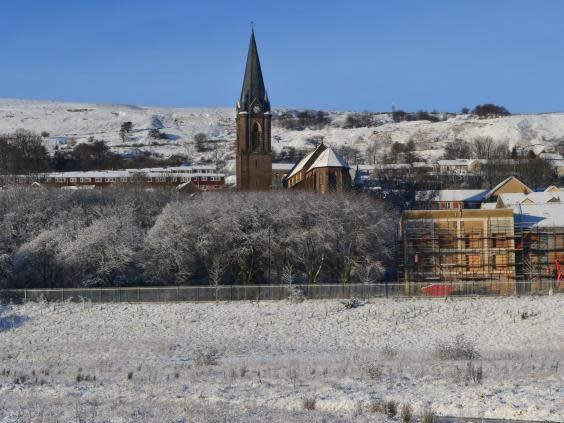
[72, 121]
[156, 362]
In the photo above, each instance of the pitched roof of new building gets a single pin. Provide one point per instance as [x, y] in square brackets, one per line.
[550, 215]
[474, 195]
[544, 197]
[494, 190]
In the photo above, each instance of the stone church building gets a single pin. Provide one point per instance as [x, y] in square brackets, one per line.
[322, 170]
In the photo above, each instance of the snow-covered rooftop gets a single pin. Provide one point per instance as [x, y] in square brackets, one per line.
[282, 166]
[456, 162]
[301, 164]
[469, 195]
[329, 158]
[539, 215]
[510, 199]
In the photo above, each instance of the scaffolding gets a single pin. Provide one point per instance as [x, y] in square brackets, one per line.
[458, 246]
[479, 247]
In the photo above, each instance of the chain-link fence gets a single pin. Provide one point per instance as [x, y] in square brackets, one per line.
[282, 292]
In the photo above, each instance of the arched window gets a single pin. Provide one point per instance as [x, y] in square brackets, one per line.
[256, 137]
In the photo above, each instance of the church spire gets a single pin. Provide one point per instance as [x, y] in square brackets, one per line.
[253, 92]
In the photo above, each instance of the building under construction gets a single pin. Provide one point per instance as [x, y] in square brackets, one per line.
[487, 248]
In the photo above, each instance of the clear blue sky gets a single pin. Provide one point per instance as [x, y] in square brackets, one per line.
[344, 55]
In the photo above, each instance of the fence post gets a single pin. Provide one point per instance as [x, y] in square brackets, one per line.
[138, 295]
[25, 295]
[62, 295]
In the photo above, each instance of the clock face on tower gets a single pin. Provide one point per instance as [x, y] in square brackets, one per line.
[257, 108]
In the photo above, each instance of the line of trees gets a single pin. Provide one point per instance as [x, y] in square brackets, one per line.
[23, 153]
[500, 161]
[55, 238]
[299, 120]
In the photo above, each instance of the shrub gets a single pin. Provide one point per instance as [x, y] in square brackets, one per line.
[207, 358]
[243, 370]
[398, 116]
[129, 375]
[352, 303]
[374, 371]
[458, 349]
[490, 110]
[406, 413]
[389, 407]
[389, 351]
[295, 294]
[427, 415]
[309, 403]
[157, 135]
[474, 373]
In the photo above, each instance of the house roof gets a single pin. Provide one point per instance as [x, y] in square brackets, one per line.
[548, 215]
[282, 166]
[505, 181]
[329, 158]
[488, 206]
[456, 162]
[544, 197]
[475, 195]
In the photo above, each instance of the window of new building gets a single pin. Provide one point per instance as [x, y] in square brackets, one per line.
[472, 240]
[98, 179]
[84, 179]
[499, 241]
[499, 262]
[203, 178]
[473, 262]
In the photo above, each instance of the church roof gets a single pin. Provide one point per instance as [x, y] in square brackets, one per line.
[253, 85]
[329, 158]
[300, 165]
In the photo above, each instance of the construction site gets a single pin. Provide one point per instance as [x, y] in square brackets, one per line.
[446, 251]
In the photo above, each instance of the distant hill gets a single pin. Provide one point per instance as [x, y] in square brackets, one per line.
[72, 122]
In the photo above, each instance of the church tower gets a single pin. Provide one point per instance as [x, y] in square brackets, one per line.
[254, 160]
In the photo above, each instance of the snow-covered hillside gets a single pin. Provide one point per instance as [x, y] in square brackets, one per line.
[70, 121]
[256, 362]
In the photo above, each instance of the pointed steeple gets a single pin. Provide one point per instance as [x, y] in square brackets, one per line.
[253, 91]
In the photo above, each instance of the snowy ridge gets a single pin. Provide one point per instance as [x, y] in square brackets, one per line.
[66, 121]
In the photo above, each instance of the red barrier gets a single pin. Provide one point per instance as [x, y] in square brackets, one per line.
[437, 290]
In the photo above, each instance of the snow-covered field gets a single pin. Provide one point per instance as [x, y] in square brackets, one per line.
[70, 122]
[258, 361]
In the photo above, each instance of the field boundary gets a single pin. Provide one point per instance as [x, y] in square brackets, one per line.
[279, 292]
